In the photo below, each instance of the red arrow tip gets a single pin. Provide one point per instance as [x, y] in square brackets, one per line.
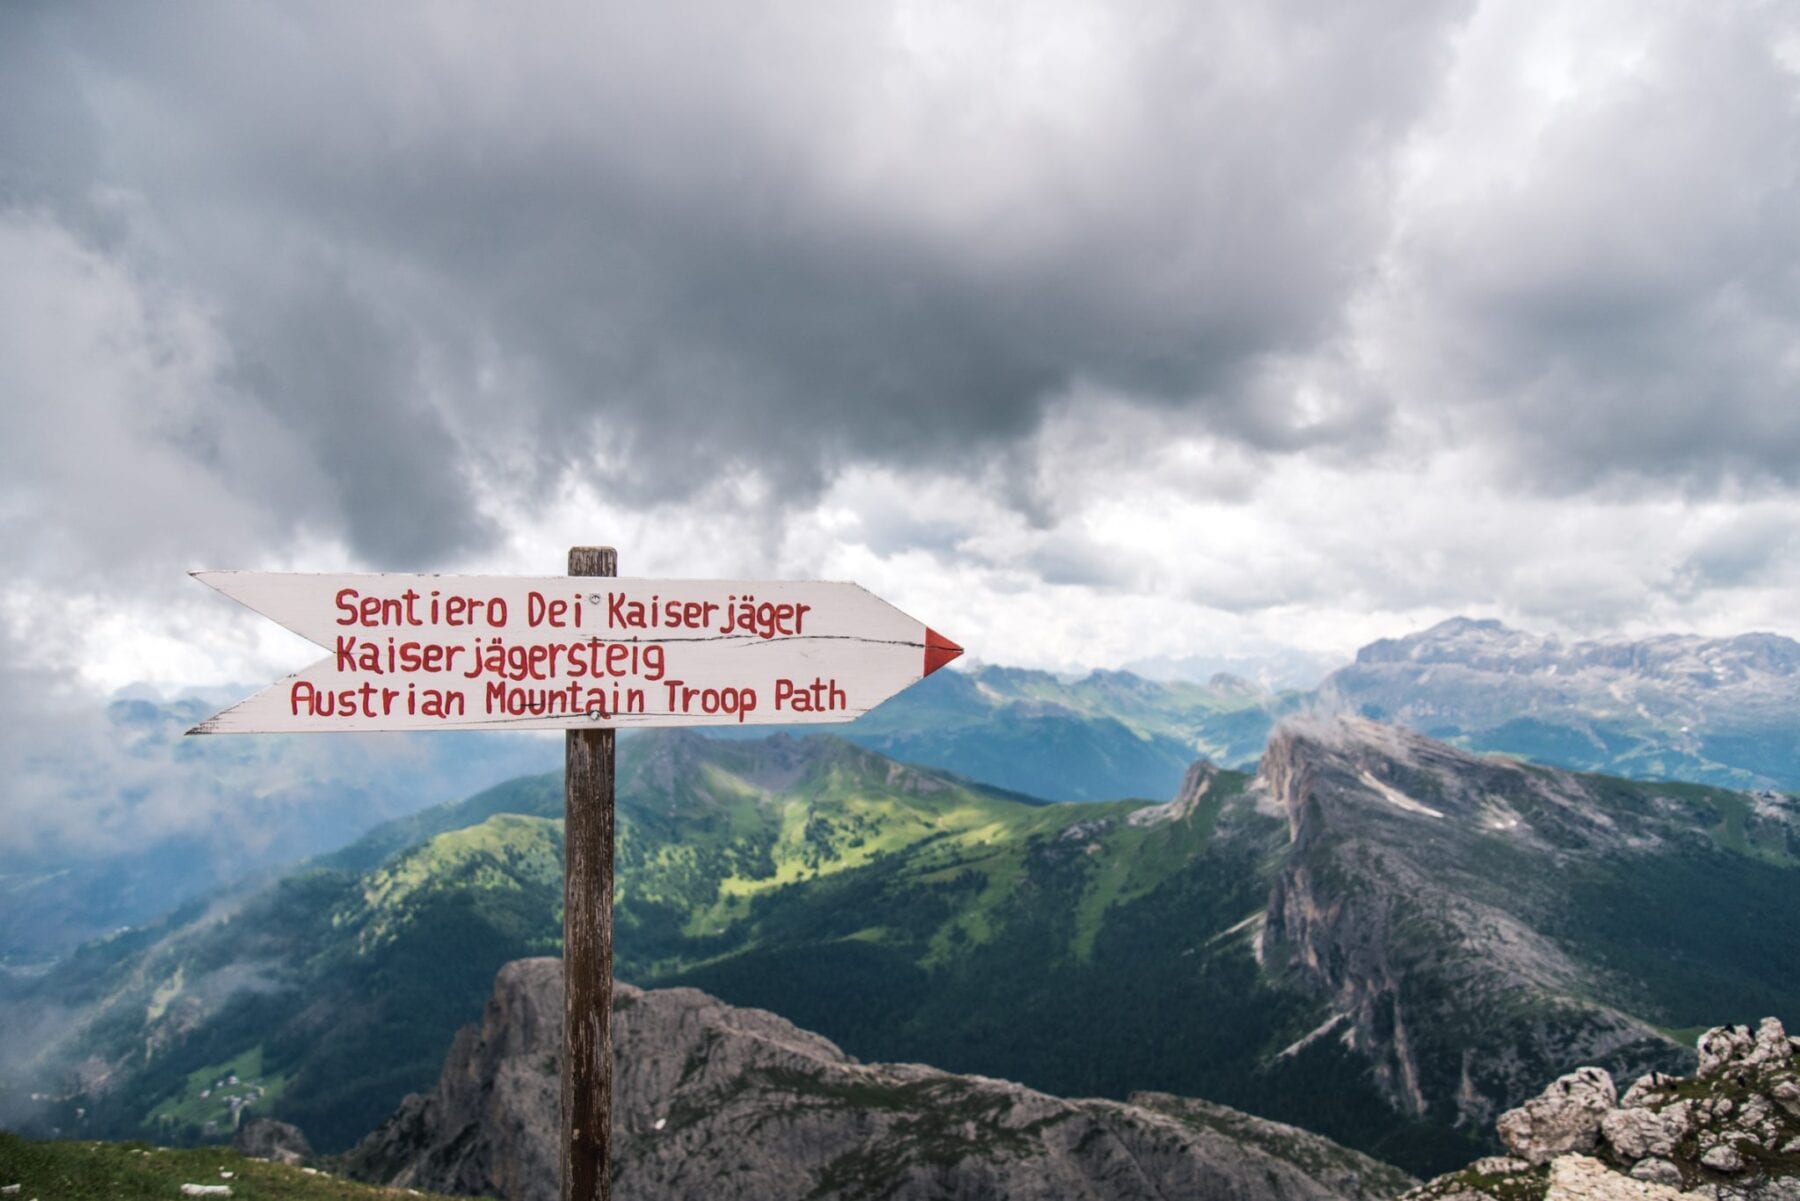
[939, 650]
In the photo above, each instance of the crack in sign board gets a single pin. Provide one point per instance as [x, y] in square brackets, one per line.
[435, 652]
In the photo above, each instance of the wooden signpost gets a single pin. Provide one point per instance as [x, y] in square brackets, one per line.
[587, 653]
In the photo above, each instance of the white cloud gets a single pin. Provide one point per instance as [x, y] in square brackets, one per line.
[1086, 334]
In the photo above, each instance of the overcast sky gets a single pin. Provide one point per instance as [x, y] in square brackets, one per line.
[1086, 333]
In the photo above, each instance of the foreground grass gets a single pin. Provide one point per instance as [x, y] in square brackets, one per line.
[71, 1171]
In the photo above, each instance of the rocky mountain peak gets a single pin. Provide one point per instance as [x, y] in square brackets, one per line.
[1491, 646]
[1460, 639]
[1344, 771]
[1227, 683]
[1457, 860]
[1197, 782]
[1196, 785]
[1342, 768]
[716, 1101]
[1677, 705]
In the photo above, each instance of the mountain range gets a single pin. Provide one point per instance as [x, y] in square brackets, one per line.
[711, 1100]
[1673, 707]
[143, 819]
[1377, 936]
[1715, 711]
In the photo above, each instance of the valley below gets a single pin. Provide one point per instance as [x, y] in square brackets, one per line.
[1377, 937]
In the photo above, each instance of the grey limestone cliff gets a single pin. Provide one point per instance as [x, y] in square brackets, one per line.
[1417, 893]
[713, 1101]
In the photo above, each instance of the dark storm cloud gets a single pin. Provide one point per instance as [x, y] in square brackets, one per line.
[347, 383]
[657, 244]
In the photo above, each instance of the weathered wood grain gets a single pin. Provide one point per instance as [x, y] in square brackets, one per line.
[587, 942]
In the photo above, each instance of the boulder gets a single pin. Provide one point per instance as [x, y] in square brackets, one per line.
[1635, 1133]
[1721, 1047]
[1772, 1047]
[1498, 1165]
[1563, 1118]
[1657, 1171]
[1646, 1090]
[1723, 1158]
[1583, 1178]
[265, 1138]
[1728, 1048]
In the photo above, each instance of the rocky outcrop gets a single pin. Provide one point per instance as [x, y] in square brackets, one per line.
[1564, 1118]
[493, 1124]
[1583, 1178]
[1729, 1133]
[1196, 783]
[1417, 893]
[713, 1101]
[266, 1138]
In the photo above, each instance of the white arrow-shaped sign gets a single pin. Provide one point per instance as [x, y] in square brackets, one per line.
[436, 652]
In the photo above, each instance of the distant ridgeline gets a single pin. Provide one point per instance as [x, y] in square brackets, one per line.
[1379, 937]
[167, 819]
[1720, 711]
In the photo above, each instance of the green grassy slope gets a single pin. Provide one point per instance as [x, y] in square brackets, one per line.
[906, 914]
[1103, 736]
[88, 1171]
[347, 981]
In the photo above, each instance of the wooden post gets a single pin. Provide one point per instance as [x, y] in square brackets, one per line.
[587, 942]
